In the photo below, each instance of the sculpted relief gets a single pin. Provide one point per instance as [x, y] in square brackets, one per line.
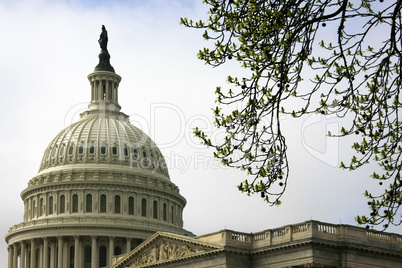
[164, 251]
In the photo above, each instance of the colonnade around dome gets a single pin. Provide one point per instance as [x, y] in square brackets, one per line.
[102, 203]
[83, 251]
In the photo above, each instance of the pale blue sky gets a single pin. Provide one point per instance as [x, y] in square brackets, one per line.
[47, 48]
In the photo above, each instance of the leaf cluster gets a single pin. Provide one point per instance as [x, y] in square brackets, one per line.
[279, 44]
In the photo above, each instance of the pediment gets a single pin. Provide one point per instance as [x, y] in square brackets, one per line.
[165, 247]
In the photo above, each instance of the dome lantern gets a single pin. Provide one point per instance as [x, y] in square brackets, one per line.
[104, 81]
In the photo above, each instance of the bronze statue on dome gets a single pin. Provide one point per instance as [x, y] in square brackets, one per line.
[103, 39]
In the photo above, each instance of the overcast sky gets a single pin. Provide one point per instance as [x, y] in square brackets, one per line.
[47, 49]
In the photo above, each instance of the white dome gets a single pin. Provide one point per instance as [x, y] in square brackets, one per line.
[104, 138]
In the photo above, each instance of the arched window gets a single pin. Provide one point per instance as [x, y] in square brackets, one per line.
[51, 205]
[117, 204]
[87, 256]
[102, 256]
[72, 251]
[75, 203]
[71, 149]
[125, 150]
[103, 149]
[62, 204]
[88, 203]
[49, 250]
[41, 207]
[61, 152]
[92, 148]
[37, 257]
[103, 203]
[164, 212]
[144, 154]
[144, 207]
[114, 150]
[131, 205]
[81, 149]
[155, 209]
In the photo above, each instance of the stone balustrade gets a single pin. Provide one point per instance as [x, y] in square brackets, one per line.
[307, 230]
[93, 221]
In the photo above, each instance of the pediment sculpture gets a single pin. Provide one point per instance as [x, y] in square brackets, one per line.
[165, 250]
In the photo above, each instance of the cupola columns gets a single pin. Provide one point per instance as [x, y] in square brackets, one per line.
[104, 91]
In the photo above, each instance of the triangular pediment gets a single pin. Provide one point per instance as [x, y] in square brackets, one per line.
[165, 247]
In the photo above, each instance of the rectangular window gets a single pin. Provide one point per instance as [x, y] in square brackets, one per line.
[131, 205]
[51, 205]
[103, 203]
[144, 207]
[155, 209]
[62, 204]
[88, 205]
[117, 204]
[75, 203]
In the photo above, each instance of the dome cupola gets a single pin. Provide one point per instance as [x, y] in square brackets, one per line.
[102, 187]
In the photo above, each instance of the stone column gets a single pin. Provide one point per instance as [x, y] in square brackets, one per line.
[15, 257]
[111, 249]
[45, 260]
[107, 90]
[40, 255]
[10, 256]
[52, 254]
[128, 245]
[76, 251]
[33, 254]
[66, 249]
[94, 253]
[60, 252]
[23, 256]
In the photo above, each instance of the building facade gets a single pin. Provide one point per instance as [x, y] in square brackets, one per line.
[103, 187]
[309, 244]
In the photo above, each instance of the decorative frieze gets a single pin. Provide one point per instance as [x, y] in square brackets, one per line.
[165, 251]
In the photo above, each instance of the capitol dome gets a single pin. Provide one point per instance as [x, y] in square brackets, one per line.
[104, 138]
[102, 188]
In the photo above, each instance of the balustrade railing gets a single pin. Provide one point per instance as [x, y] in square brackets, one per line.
[301, 228]
[326, 228]
[242, 237]
[377, 235]
[285, 234]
